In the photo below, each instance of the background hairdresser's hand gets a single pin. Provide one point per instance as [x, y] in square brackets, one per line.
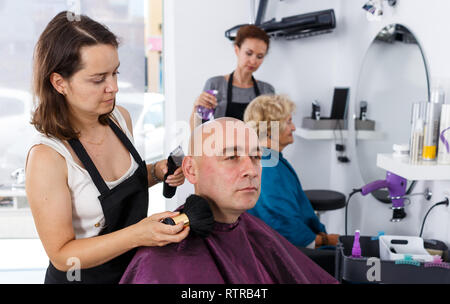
[151, 232]
[174, 180]
[333, 239]
[206, 100]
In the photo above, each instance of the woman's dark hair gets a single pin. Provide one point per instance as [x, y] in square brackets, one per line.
[58, 51]
[251, 31]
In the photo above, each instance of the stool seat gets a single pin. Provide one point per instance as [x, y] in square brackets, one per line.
[323, 200]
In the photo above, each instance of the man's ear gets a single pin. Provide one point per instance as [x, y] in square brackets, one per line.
[58, 83]
[189, 167]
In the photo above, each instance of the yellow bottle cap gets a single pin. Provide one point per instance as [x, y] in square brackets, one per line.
[429, 152]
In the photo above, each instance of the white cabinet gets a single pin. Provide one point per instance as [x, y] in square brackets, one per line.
[16, 220]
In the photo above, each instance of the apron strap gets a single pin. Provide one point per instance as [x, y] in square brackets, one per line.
[230, 88]
[125, 141]
[89, 165]
[80, 151]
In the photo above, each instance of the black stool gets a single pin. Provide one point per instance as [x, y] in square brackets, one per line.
[325, 200]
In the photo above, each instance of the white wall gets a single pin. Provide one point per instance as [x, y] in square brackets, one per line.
[309, 69]
[195, 49]
[425, 20]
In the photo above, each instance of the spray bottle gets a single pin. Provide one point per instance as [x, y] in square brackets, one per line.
[356, 249]
[206, 113]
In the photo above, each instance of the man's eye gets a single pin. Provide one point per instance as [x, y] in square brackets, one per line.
[231, 157]
[98, 81]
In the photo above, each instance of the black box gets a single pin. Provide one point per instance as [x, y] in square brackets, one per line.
[355, 270]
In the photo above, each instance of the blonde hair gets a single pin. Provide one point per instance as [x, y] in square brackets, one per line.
[268, 108]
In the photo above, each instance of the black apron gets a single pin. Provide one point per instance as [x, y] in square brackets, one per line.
[235, 109]
[124, 205]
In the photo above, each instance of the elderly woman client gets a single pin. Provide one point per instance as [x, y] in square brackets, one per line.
[282, 204]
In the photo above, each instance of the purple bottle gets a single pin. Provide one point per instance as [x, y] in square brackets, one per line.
[205, 113]
[356, 250]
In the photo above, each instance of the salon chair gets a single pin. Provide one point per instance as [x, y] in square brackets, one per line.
[324, 200]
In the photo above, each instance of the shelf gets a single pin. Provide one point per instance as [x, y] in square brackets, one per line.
[12, 192]
[20, 212]
[332, 134]
[426, 170]
[18, 199]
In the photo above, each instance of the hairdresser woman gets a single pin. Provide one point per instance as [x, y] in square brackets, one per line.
[237, 89]
[282, 204]
[86, 184]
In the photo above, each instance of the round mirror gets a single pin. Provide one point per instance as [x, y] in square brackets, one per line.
[393, 76]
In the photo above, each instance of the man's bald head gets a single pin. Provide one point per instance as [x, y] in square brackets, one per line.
[216, 137]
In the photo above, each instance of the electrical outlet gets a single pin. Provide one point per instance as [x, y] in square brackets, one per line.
[340, 147]
[446, 197]
[446, 194]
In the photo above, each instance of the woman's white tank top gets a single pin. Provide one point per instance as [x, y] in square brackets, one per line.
[87, 214]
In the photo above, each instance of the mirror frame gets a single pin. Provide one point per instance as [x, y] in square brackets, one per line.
[383, 195]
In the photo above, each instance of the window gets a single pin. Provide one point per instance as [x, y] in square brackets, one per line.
[22, 22]
[137, 23]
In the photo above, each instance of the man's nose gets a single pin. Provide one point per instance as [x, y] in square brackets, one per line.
[248, 167]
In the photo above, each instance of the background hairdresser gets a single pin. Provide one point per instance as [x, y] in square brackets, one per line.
[237, 89]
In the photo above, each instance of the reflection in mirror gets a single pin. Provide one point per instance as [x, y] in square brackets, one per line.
[393, 76]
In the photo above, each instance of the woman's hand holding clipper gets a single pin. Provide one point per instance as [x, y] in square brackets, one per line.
[174, 180]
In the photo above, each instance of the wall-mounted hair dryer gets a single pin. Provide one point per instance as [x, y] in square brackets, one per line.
[396, 186]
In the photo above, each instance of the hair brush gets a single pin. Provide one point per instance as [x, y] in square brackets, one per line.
[197, 214]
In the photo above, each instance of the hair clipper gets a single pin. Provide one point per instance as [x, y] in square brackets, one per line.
[174, 161]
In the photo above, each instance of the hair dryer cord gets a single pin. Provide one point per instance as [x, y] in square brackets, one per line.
[346, 207]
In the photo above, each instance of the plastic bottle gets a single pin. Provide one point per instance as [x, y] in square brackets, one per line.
[206, 113]
[356, 250]
[431, 129]
[418, 113]
[416, 142]
[444, 136]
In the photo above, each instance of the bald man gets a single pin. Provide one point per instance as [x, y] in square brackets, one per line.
[224, 165]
